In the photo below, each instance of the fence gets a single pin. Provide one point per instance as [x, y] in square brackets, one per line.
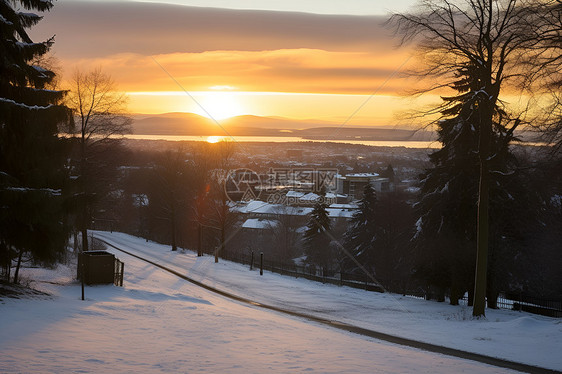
[506, 300]
[313, 273]
[522, 302]
[532, 304]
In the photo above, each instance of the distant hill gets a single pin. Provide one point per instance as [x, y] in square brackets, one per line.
[190, 124]
[173, 124]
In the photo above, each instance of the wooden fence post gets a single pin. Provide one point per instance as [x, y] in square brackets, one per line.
[82, 272]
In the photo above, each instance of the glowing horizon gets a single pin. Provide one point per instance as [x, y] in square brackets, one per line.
[354, 109]
[238, 62]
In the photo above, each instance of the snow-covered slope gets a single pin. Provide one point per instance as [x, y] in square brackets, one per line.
[159, 323]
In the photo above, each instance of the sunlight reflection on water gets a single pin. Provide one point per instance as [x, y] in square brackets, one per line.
[288, 139]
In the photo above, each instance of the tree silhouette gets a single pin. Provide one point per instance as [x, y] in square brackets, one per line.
[99, 111]
[317, 236]
[484, 39]
[32, 217]
[361, 236]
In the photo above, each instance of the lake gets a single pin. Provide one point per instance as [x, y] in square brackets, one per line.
[287, 139]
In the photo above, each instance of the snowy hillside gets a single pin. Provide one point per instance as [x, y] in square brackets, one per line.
[159, 323]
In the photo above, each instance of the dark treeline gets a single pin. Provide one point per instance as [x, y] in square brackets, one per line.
[175, 196]
[479, 50]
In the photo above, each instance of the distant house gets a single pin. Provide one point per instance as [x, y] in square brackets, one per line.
[352, 185]
[260, 215]
[264, 210]
[259, 224]
[277, 229]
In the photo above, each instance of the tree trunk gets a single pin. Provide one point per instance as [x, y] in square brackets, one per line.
[6, 260]
[492, 297]
[174, 243]
[222, 245]
[479, 309]
[223, 226]
[455, 294]
[84, 239]
[85, 217]
[75, 241]
[440, 294]
[18, 265]
[200, 241]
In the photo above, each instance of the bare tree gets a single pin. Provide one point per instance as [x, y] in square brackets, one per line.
[546, 67]
[485, 40]
[223, 153]
[99, 120]
[202, 164]
[172, 191]
[547, 27]
[100, 109]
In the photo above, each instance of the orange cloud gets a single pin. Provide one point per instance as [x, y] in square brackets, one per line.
[301, 70]
[149, 47]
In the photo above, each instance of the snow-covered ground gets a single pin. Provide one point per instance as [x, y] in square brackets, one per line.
[159, 323]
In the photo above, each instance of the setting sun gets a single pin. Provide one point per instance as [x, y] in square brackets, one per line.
[220, 105]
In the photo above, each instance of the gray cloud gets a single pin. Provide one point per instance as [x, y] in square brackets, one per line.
[97, 29]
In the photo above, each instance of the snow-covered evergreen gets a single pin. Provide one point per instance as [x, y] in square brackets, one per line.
[361, 236]
[31, 155]
[317, 236]
[446, 235]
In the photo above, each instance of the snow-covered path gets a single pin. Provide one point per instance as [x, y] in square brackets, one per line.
[511, 335]
[159, 323]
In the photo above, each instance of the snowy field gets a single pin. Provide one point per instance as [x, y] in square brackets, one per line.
[159, 323]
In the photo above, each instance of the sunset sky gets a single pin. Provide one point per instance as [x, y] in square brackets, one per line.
[315, 59]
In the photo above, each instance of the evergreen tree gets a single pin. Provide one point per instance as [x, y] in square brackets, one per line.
[395, 222]
[31, 155]
[317, 236]
[361, 235]
[487, 39]
[449, 193]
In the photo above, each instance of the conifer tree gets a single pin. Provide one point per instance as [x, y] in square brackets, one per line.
[31, 155]
[317, 235]
[361, 236]
[486, 39]
[449, 190]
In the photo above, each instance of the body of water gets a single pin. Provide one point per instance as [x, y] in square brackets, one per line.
[287, 139]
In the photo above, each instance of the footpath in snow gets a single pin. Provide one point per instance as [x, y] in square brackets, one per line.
[511, 335]
[159, 323]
